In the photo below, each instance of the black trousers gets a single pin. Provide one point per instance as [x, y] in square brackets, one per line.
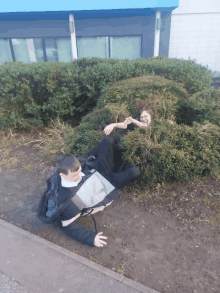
[108, 160]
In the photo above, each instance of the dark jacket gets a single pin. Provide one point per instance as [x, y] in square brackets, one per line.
[61, 203]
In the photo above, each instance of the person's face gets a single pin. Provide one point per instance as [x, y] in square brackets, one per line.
[73, 176]
[145, 117]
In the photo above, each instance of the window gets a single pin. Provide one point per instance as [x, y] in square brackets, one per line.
[125, 47]
[28, 50]
[64, 50]
[5, 51]
[51, 50]
[58, 49]
[38, 45]
[92, 47]
[21, 50]
[31, 50]
[120, 47]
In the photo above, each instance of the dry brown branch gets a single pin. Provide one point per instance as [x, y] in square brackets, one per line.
[33, 141]
[11, 133]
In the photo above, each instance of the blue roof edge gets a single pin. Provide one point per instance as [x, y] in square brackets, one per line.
[82, 14]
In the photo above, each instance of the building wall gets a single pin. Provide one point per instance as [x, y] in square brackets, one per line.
[143, 26]
[124, 26]
[30, 29]
[195, 32]
[197, 6]
[165, 33]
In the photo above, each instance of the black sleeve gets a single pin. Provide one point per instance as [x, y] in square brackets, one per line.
[68, 210]
[76, 230]
[131, 126]
[79, 233]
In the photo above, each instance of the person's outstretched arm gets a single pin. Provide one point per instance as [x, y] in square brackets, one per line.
[109, 128]
[81, 234]
[67, 222]
[139, 123]
[122, 125]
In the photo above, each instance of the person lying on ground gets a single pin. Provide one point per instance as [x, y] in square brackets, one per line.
[71, 193]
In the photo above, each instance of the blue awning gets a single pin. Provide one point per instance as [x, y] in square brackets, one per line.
[41, 10]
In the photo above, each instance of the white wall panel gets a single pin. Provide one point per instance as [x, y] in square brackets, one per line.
[195, 32]
[197, 6]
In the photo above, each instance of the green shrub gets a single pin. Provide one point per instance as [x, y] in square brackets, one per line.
[166, 152]
[89, 133]
[43, 91]
[195, 77]
[85, 62]
[204, 105]
[118, 101]
[162, 95]
[163, 152]
[37, 92]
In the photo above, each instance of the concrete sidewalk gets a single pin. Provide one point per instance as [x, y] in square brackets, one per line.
[8, 285]
[38, 265]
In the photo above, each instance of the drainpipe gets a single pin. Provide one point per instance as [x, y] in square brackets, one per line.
[157, 33]
[73, 36]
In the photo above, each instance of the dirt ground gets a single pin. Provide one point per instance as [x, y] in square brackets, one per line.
[169, 238]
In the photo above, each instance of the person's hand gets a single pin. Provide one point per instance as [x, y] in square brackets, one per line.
[108, 129]
[128, 120]
[98, 242]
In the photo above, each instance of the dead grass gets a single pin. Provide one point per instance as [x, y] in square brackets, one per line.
[6, 160]
[50, 141]
[27, 167]
[54, 139]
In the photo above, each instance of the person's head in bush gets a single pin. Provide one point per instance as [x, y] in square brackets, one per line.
[145, 120]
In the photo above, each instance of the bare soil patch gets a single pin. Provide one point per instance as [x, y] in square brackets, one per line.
[169, 238]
